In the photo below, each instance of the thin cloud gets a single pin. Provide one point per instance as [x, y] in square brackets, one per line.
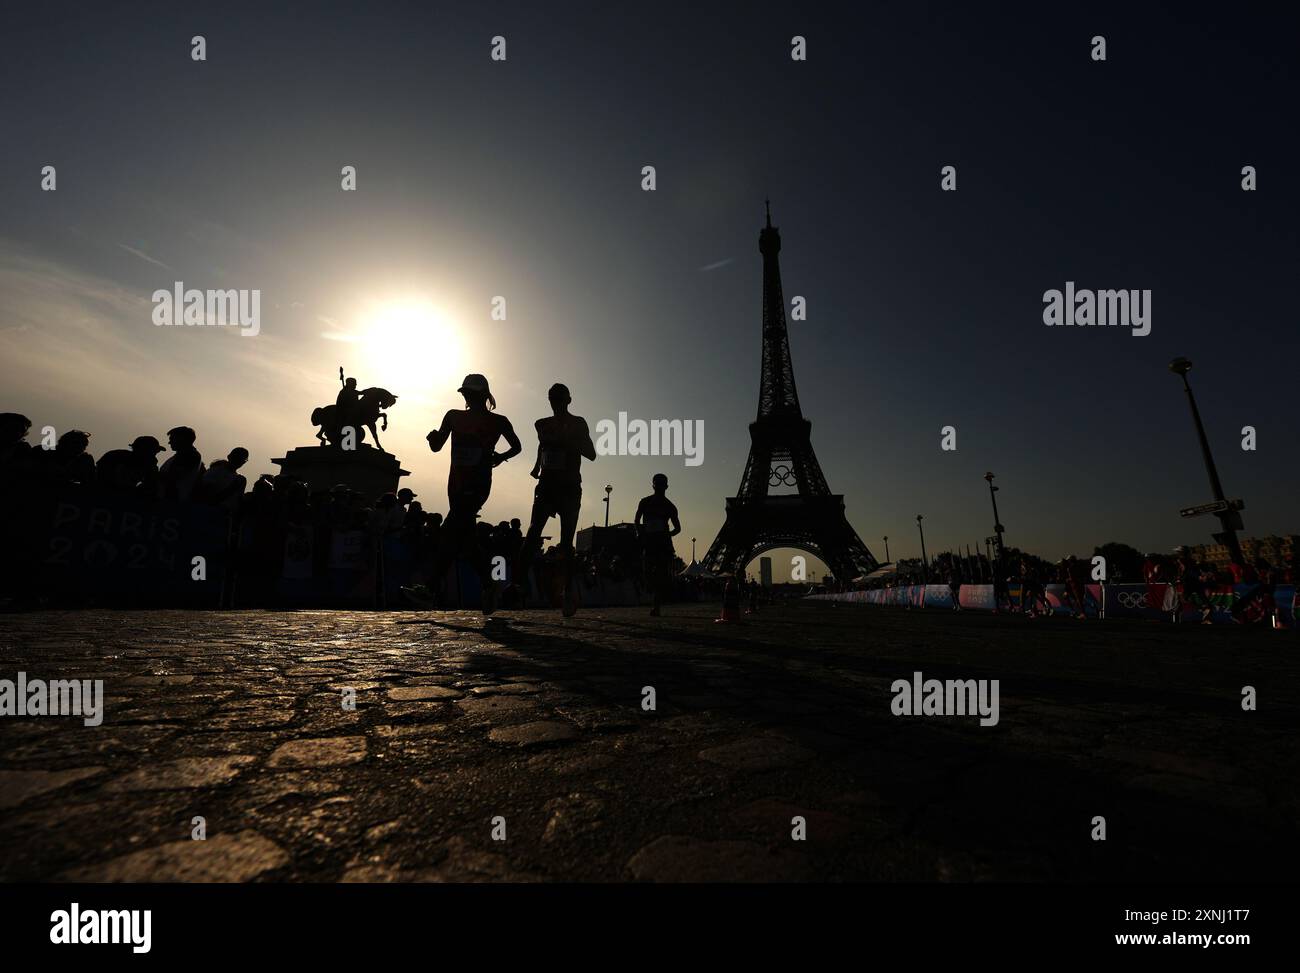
[144, 256]
[714, 266]
[83, 352]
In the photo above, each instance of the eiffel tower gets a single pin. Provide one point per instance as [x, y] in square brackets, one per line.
[781, 455]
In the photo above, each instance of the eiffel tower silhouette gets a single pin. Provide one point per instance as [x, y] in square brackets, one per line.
[781, 455]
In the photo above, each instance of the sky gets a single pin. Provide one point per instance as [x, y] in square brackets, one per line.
[523, 179]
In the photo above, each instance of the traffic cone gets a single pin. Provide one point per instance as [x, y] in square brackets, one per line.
[730, 603]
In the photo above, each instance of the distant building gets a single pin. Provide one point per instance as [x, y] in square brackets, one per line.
[1277, 551]
[608, 541]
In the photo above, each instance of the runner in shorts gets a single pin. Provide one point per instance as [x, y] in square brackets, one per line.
[954, 585]
[474, 432]
[562, 441]
[1076, 584]
[657, 524]
[1032, 594]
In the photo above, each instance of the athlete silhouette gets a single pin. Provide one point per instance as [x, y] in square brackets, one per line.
[657, 524]
[562, 441]
[474, 433]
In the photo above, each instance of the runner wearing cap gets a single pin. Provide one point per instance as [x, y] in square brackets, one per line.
[474, 433]
[563, 439]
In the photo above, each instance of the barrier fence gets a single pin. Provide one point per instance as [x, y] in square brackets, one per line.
[93, 548]
[1159, 602]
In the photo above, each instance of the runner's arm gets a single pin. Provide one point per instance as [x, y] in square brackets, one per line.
[516, 447]
[536, 471]
[439, 435]
[585, 446]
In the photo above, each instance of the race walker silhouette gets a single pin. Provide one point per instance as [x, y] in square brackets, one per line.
[474, 433]
[563, 439]
[657, 524]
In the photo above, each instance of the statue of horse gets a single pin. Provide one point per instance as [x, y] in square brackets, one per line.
[370, 410]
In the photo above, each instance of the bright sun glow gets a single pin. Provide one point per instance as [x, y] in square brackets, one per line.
[413, 349]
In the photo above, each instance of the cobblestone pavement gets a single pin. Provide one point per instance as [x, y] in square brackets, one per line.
[238, 718]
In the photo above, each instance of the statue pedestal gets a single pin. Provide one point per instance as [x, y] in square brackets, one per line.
[365, 469]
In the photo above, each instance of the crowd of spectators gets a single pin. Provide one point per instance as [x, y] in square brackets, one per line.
[289, 543]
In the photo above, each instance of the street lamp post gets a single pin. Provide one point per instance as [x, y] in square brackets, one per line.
[692, 550]
[1229, 518]
[608, 490]
[886, 540]
[925, 564]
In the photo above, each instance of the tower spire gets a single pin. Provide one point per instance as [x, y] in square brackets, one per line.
[776, 392]
[767, 204]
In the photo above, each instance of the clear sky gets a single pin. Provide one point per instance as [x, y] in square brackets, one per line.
[523, 179]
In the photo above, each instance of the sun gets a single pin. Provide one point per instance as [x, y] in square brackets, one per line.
[412, 348]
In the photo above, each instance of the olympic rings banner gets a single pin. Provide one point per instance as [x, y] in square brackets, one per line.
[1158, 602]
[1162, 601]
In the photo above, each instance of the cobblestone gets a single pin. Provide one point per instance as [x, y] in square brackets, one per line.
[239, 718]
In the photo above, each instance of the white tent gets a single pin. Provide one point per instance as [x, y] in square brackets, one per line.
[884, 571]
[697, 570]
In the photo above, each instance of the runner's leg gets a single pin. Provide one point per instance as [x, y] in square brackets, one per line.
[569, 508]
[455, 537]
[532, 544]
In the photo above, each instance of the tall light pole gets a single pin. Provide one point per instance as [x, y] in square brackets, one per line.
[608, 490]
[886, 540]
[692, 550]
[997, 523]
[1229, 518]
[925, 562]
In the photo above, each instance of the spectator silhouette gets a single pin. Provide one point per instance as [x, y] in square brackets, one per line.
[16, 454]
[405, 496]
[223, 484]
[183, 471]
[132, 471]
[69, 464]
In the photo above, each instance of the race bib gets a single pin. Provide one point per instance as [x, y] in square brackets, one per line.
[466, 455]
[555, 459]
